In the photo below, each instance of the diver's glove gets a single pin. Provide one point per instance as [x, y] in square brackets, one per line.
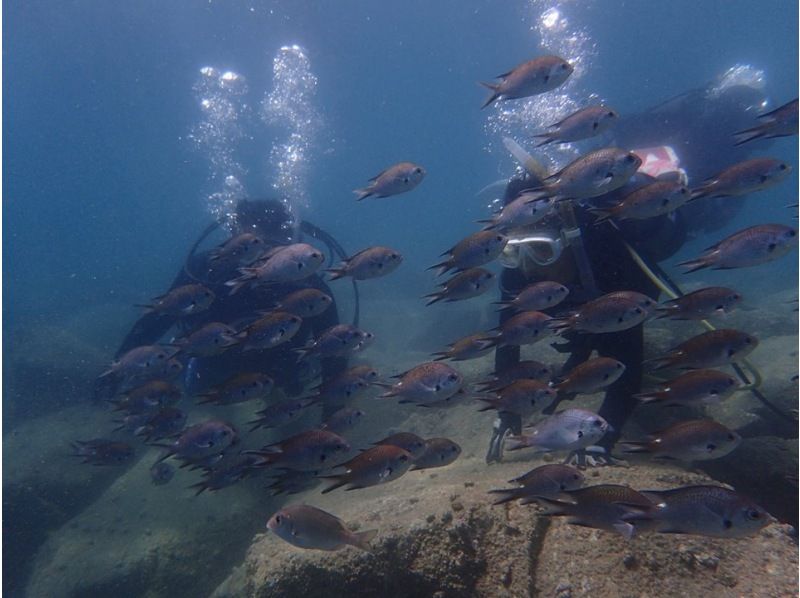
[593, 456]
[505, 424]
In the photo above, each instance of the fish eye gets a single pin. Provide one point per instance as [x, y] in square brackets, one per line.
[611, 114]
[630, 158]
[782, 167]
[564, 66]
[499, 238]
[294, 319]
[605, 376]
[727, 523]
[753, 514]
[731, 437]
[619, 366]
[791, 233]
[710, 447]
[597, 423]
[748, 340]
[278, 519]
[452, 377]
[437, 388]
[418, 170]
[714, 391]
[405, 180]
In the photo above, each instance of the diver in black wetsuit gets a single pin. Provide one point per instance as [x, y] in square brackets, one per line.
[272, 223]
[699, 127]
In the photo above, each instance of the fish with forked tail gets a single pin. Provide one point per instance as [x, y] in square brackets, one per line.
[752, 246]
[305, 526]
[533, 77]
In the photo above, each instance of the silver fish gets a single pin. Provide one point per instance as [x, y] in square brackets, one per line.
[529, 369]
[591, 376]
[201, 440]
[475, 250]
[743, 178]
[288, 263]
[533, 77]
[306, 303]
[566, 430]
[305, 526]
[371, 262]
[546, 480]
[701, 304]
[101, 451]
[538, 296]
[347, 385]
[706, 511]
[240, 250]
[464, 285]
[141, 364]
[148, 398]
[438, 453]
[696, 387]
[376, 465]
[396, 179]
[780, 122]
[692, 440]
[749, 247]
[707, 350]
[521, 212]
[583, 124]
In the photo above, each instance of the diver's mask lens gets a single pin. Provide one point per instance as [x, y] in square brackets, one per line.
[543, 249]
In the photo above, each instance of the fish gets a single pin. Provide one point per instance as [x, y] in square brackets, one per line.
[567, 430]
[376, 465]
[371, 262]
[608, 313]
[348, 385]
[439, 452]
[102, 451]
[426, 383]
[524, 328]
[752, 246]
[305, 526]
[654, 199]
[537, 296]
[239, 250]
[706, 510]
[343, 420]
[166, 422]
[290, 481]
[469, 347]
[528, 369]
[399, 178]
[211, 339]
[307, 450]
[781, 122]
[701, 304]
[200, 441]
[306, 303]
[707, 350]
[648, 304]
[539, 75]
[523, 397]
[742, 178]
[609, 507]
[227, 472]
[142, 363]
[407, 441]
[467, 284]
[521, 212]
[548, 481]
[287, 263]
[692, 440]
[337, 340]
[594, 174]
[583, 124]
[475, 250]
[591, 376]
[272, 329]
[281, 414]
[182, 301]
[240, 388]
[148, 398]
[695, 387]
[161, 473]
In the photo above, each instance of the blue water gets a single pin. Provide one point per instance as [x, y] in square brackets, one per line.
[104, 190]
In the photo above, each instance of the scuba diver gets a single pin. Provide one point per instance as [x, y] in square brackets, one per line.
[692, 135]
[268, 224]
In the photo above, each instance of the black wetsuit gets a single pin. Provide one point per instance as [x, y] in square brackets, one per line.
[237, 310]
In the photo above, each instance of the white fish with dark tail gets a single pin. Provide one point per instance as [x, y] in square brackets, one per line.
[396, 179]
[439, 452]
[305, 526]
[691, 440]
[743, 178]
[597, 173]
[287, 263]
[706, 511]
[567, 430]
[654, 199]
[546, 480]
[371, 262]
[426, 383]
[695, 387]
[470, 252]
[464, 285]
[530, 78]
[701, 304]
[538, 296]
[781, 122]
[182, 301]
[707, 350]
[583, 124]
[752, 246]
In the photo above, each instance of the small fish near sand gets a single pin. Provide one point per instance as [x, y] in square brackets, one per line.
[305, 526]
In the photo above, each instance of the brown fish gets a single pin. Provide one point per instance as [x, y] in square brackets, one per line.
[546, 480]
[591, 375]
[425, 384]
[538, 296]
[530, 78]
[310, 450]
[240, 250]
[438, 453]
[406, 441]
[707, 350]
[529, 369]
[396, 179]
[305, 526]
[306, 303]
[654, 199]
[701, 304]
[525, 328]
[752, 246]
[693, 440]
[703, 387]
[287, 263]
[376, 465]
[583, 124]
[469, 347]
[371, 262]
[182, 301]
[781, 122]
[609, 313]
[242, 387]
[475, 250]
[464, 285]
[211, 339]
[272, 329]
[523, 397]
[743, 178]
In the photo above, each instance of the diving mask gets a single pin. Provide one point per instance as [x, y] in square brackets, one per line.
[543, 248]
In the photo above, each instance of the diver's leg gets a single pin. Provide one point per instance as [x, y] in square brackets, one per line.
[505, 424]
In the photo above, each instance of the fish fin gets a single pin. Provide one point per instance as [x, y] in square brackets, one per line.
[494, 95]
[362, 539]
[362, 193]
[548, 138]
[148, 307]
[436, 298]
[757, 132]
[440, 355]
[506, 495]
[651, 397]
[602, 215]
[635, 446]
[625, 529]
[696, 264]
[340, 480]
[555, 507]
[337, 273]
[514, 443]
[442, 267]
